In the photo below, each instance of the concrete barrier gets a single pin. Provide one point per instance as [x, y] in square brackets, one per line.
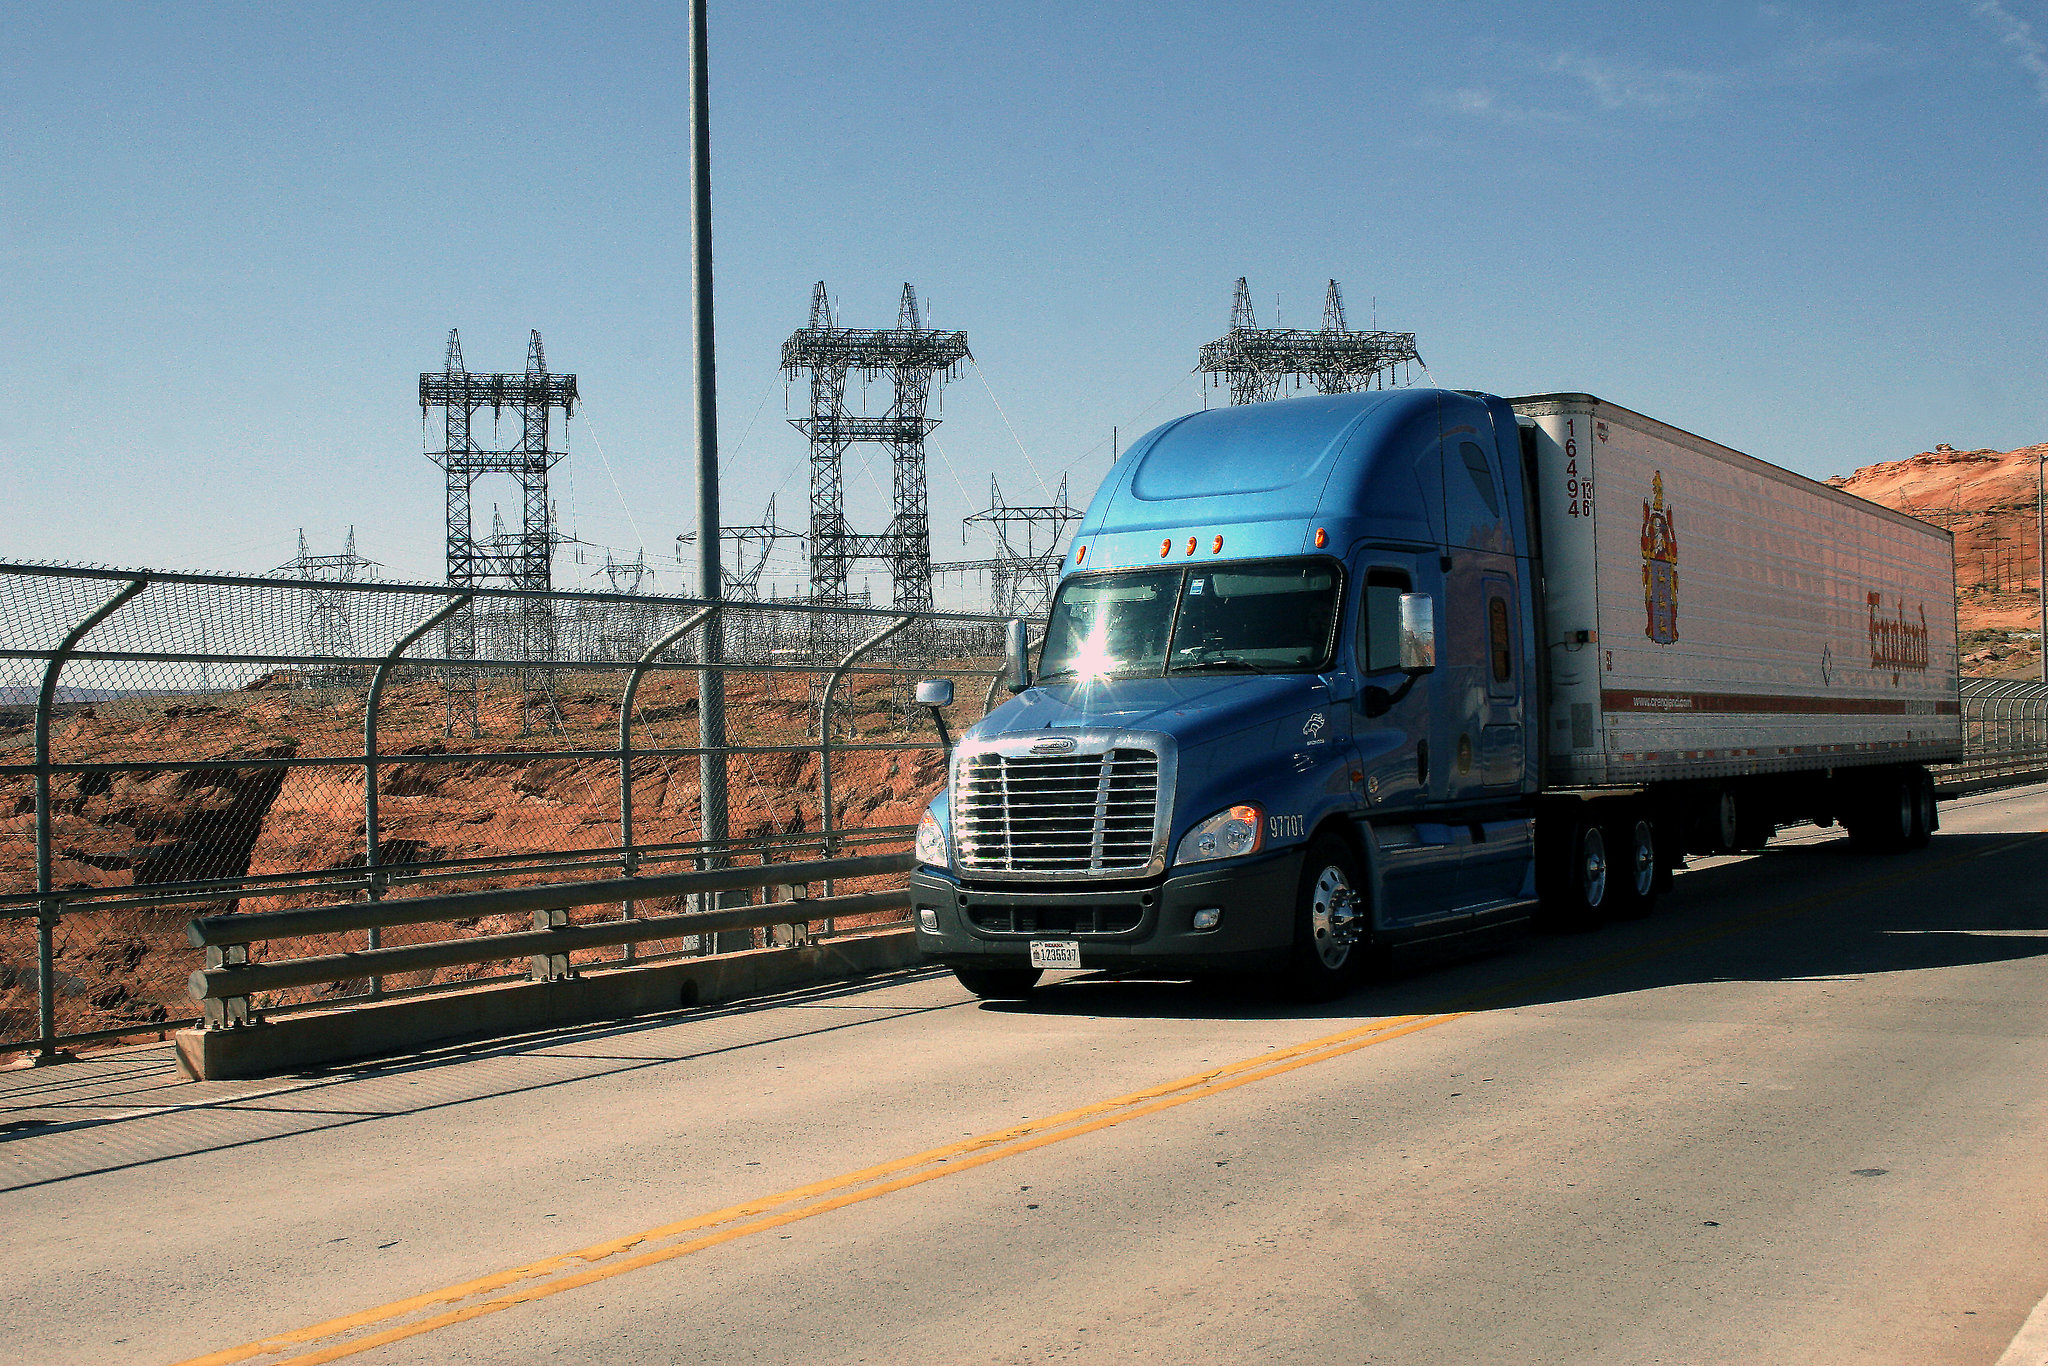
[291, 1043]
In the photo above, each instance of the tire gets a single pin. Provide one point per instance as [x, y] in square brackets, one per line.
[1727, 822]
[1633, 838]
[1581, 891]
[1925, 818]
[1753, 827]
[999, 984]
[1331, 928]
[1886, 822]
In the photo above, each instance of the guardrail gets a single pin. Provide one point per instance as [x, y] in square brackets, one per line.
[172, 743]
[2005, 736]
[229, 979]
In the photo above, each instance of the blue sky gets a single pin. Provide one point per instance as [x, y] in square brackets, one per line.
[233, 235]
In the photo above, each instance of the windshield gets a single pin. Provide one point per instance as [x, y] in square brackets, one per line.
[1253, 618]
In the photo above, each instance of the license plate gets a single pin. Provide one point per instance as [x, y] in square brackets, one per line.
[1055, 953]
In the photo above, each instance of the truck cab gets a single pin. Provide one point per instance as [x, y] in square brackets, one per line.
[1284, 710]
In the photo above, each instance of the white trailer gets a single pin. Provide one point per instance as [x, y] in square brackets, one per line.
[1710, 615]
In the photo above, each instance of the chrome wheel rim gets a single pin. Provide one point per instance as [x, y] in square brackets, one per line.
[1643, 852]
[1593, 866]
[1333, 916]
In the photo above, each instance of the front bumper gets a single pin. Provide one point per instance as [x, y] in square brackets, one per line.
[1135, 927]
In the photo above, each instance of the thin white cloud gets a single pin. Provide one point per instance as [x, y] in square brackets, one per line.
[1479, 102]
[2017, 35]
[1802, 52]
[1626, 85]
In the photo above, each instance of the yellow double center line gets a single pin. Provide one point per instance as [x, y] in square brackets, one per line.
[401, 1319]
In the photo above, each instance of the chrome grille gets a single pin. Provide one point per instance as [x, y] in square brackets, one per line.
[1069, 813]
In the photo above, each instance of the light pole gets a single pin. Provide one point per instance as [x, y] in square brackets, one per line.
[2041, 548]
[710, 682]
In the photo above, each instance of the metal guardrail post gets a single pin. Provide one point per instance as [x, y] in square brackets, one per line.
[825, 728]
[372, 847]
[627, 699]
[47, 911]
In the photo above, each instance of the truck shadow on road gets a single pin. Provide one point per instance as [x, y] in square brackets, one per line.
[1801, 912]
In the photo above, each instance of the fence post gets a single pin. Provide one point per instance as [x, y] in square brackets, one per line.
[653, 652]
[825, 732]
[47, 911]
[372, 851]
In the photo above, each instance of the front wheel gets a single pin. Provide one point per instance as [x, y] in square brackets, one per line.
[999, 984]
[1330, 924]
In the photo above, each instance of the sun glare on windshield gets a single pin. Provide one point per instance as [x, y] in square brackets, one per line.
[1270, 617]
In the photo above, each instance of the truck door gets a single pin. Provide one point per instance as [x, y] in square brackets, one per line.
[1416, 860]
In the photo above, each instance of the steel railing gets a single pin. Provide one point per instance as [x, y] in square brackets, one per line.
[2005, 736]
[229, 980]
[97, 866]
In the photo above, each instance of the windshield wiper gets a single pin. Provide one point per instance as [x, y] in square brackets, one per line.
[1202, 664]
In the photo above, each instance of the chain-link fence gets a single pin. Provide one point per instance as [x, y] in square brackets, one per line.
[186, 744]
[2005, 735]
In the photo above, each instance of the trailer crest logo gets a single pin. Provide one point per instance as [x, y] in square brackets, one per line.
[1660, 566]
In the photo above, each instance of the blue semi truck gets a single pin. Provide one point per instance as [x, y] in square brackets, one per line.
[1332, 675]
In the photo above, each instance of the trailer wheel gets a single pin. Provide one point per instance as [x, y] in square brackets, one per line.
[1634, 869]
[1330, 923]
[1925, 818]
[999, 984]
[1753, 827]
[1727, 828]
[1886, 822]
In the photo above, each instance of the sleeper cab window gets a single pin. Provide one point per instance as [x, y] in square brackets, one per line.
[1482, 476]
[1380, 640]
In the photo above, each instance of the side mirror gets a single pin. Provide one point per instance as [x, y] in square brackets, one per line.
[1017, 655]
[937, 693]
[1418, 633]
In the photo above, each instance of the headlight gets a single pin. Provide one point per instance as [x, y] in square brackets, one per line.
[931, 841]
[1229, 833]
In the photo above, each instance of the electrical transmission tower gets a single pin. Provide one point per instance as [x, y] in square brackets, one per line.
[520, 559]
[627, 576]
[1026, 568]
[1256, 362]
[912, 356]
[327, 630]
[751, 546]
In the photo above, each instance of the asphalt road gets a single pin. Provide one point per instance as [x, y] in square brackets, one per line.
[1796, 1116]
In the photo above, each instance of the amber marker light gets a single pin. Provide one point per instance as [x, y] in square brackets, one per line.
[1322, 538]
[1166, 547]
[1080, 554]
[1217, 549]
[1191, 545]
